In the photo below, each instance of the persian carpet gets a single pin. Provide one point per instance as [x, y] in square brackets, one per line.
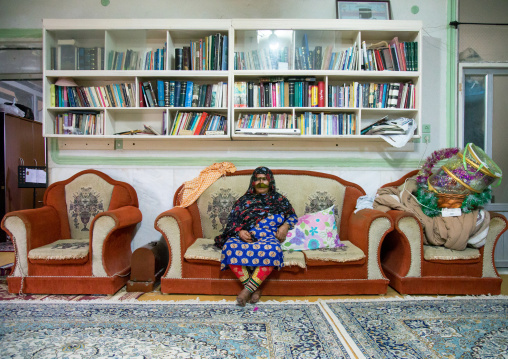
[167, 330]
[121, 295]
[465, 327]
[6, 246]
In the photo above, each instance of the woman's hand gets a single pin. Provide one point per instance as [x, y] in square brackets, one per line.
[282, 232]
[245, 236]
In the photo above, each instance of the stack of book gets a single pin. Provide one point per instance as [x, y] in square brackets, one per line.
[321, 123]
[112, 95]
[385, 126]
[175, 93]
[265, 121]
[280, 92]
[79, 123]
[198, 123]
[68, 56]
[137, 60]
[392, 56]
[262, 59]
[210, 53]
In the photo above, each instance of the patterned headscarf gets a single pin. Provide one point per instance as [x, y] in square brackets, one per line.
[252, 207]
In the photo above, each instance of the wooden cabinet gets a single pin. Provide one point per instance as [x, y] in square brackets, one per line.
[22, 144]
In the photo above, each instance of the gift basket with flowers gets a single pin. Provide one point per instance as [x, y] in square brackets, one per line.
[463, 181]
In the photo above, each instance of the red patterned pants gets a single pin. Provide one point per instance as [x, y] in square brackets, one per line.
[252, 281]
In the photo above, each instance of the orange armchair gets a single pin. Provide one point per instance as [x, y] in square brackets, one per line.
[417, 268]
[79, 242]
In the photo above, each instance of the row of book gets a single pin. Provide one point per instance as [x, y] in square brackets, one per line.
[112, 95]
[137, 60]
[306, 59]
[311, 123]
[172, 93]
[210, 53]
[263, 59]
[388, 95]
[198, 123]
[79, 123]
[280, 92]
[265, 120]
[67, 56]
[393, 56]
[372, 95]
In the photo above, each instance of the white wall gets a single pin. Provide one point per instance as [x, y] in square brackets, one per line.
[155, 185]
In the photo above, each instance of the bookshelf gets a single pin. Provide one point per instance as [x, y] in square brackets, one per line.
[326, 79]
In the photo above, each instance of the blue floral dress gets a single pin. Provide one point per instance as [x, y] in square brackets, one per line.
[265, 252]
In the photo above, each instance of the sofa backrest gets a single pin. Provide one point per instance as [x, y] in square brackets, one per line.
[307, 191]
[80, 198]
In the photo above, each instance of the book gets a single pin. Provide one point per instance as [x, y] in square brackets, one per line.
[147, 90]
[160, 93]
[67, 55]
[195, 95]
[321, 93]
[152, 130]
[267, 131]
[178, 85]
[166, 93]
[240, 94]
[189, 88]
[378, 122]
[178, 58]
[183, 92]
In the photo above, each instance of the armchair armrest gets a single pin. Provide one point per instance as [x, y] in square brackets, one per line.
[176, 228]
[111, 240]
[498, 225]
[367, 229]
[28, 229]
[41, 226]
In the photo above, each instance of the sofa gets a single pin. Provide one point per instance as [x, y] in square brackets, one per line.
[194, 261]
[417, 268]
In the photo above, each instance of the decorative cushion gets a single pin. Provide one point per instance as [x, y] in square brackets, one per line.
[204, 249]
[313, 231]
[62, 250]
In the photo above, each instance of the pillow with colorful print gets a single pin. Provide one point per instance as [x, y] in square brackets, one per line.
[313, 231]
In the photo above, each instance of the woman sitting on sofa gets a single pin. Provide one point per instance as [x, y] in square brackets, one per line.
[258, 222]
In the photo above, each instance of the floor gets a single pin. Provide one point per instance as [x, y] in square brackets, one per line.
[8, 257]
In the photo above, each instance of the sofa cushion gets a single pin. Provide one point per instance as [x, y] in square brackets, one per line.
[312, 194]
[432, 253]
[204, 249]
[70, 251]
[313, 231]
[347, 254]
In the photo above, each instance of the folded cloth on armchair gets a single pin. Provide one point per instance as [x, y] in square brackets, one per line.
[192, 189]
[450, 232]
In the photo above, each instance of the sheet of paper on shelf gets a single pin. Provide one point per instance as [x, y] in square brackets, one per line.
[400, 140]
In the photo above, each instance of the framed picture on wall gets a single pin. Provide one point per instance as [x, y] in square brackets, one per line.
[363, 10]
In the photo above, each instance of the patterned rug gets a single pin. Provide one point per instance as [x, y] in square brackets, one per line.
[6, 246]
[121, 295]
[167, 330]
[475, 327]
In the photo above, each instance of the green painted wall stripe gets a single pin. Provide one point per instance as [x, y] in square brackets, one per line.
[59, 158]
[451, 81]
[20, 33]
